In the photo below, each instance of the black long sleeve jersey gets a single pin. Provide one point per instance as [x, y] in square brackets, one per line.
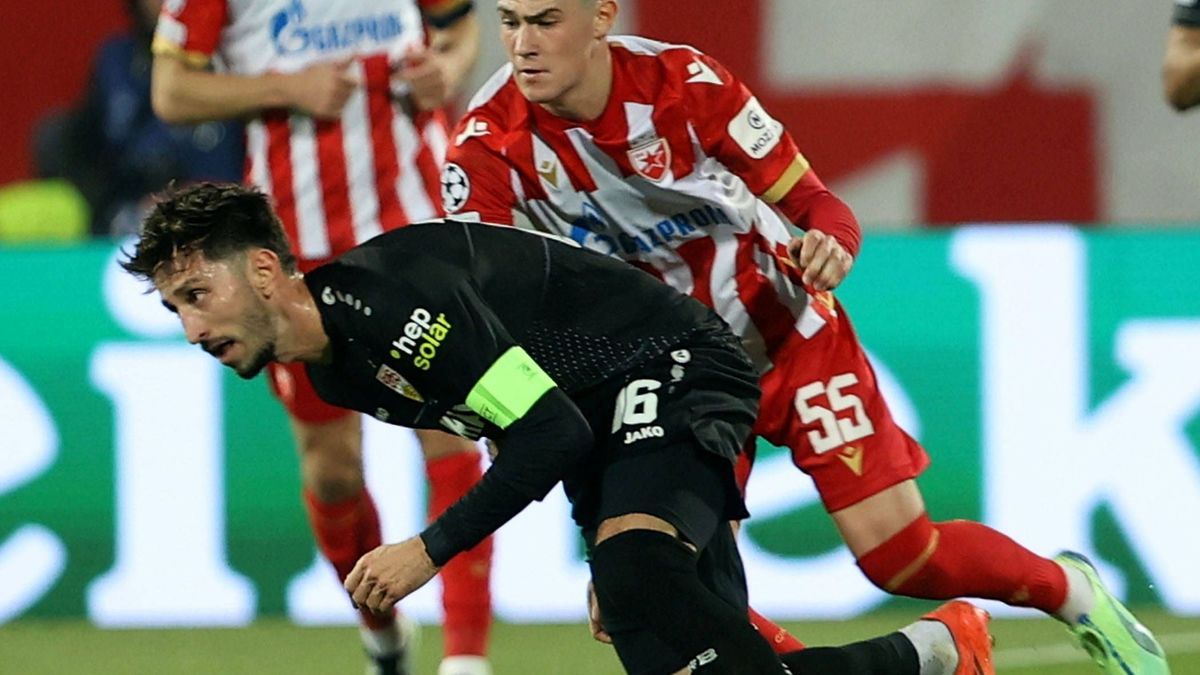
[486, 330]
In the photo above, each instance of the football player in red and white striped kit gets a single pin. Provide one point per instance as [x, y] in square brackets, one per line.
[346, 134]
[656, 154]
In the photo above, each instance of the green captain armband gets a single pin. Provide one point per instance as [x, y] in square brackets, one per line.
[509, 388]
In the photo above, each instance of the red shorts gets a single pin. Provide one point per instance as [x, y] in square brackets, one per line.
[821, 401]
[290, 384]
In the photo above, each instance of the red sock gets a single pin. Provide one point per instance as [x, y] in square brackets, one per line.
[345, 531]
[776, 636]
[964, 558]
[466, 593]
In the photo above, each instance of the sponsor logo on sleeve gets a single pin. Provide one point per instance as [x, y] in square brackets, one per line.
[700, 72]
[456, 187]
[474, 128]
[754, 130]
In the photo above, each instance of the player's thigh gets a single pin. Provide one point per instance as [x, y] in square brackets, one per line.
[328, 438]
[822, 402]
[876, 519]
[438, 444]
[673, 431]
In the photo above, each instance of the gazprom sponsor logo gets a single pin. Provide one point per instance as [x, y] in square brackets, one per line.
[292, 32]
[592, 231]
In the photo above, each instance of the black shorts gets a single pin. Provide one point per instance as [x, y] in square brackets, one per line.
[667, 437]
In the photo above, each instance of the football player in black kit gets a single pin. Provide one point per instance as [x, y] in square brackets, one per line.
[582, 369]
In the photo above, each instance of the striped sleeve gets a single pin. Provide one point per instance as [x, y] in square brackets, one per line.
[735, 128]
[190, 30]
[443, 13]
[477, 177]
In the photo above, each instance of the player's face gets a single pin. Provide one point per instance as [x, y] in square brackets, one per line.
[220, 310]
[549, 43]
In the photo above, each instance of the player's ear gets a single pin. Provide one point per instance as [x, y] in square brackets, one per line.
[264, 270]
[606, 16]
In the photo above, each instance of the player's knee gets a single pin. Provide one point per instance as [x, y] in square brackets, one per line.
[331, 466]
[905, 554]
[636, 569]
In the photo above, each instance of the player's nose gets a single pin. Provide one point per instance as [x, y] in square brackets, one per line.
[523, 42]
[193, 327]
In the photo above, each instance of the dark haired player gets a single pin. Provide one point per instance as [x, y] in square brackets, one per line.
[637, 401]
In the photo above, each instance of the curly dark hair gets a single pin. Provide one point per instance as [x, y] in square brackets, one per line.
[217, 219]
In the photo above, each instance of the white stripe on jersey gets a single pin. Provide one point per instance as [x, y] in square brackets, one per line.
[438, 142]
[639, 119]
[644, 45]
[360, 162]
[410, 184]
[727, 303]
[256, 151]
[548, 167]
[489, 88]
[306, 181]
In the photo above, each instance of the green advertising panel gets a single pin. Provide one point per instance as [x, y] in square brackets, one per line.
[1053, 374]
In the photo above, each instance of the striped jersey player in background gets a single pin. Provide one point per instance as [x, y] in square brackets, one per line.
[346, 134]
[656, 154]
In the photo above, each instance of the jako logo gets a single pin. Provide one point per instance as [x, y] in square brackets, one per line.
[429, 332]
[291, 35]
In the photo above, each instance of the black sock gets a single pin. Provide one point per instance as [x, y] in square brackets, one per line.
[892, 654]
[662, 618]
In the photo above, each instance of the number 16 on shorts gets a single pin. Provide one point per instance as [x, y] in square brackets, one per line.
[836, 430]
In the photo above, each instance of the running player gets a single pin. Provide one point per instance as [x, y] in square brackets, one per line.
[347, 136]
[638, 402]
[656, 154]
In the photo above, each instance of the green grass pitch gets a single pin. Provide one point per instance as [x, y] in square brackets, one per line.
[1023, 647]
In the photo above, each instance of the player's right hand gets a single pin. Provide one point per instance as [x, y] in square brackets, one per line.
[594, 624]
[321, 89]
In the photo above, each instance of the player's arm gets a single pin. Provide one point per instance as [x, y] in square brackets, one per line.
[1181, 64]
[183, 88]
[477, 179]
[738, 131]
[454, 40]
[543, 435]
[476, 362]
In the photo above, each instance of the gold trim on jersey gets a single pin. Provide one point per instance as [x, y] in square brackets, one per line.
[788, 180]
[163, 47]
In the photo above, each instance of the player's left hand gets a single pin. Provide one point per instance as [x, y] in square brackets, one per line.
[422, 71]
[824, 261]
[388, 574]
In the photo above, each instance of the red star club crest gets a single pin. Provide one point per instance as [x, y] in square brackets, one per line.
[651, 159]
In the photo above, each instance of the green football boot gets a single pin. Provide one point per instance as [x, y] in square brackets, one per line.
[1110, 634]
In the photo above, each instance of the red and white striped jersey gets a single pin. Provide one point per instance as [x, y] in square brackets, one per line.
[675, 176]
[334, 183]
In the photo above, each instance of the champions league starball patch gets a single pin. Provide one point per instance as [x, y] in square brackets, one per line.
[456, 187]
